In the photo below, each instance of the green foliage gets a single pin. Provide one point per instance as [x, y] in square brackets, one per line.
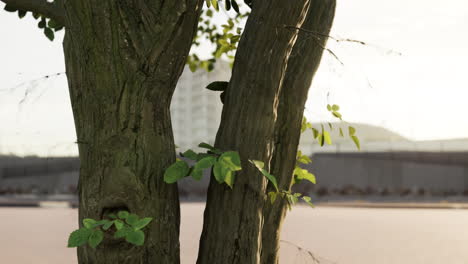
[260, 166]
[49, 26]
[224, 165]
[176, 171]
[299, 173]
[217, 86]
[224, 38]
[303, 174]
[290, 198]
[126, 226]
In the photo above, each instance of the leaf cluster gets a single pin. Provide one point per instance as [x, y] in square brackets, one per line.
[49, 26]
[323, 136]
[223, 164]
[126, 226]
[290, 198]
[224, 37]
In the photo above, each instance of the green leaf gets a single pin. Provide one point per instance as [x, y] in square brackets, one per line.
[190, 154]
[142, 223]
[136, 237]
[303, 158]
[307, 199]
[89, 223]
[132, 219]
[118, 224]
[335, 107]
[231, 160]
[122, 232]
[327, 137]
[329, 108]
[303, 125]
[208, 3]
[222, 97]
[293, 198]
[315, 132]
[176, 171]
[53, 24]
[9, 8]
[272, 196]
[215, 4]
[228, 5]
[217, 86]
[49, 33]
[107, 225]
[22, 13]
[352, 131]
[95, 238]
[196, 174]
[303, 174]
[36, 15]
[235, 6]
[341, 132]
[220, 172]
[101, 222]
[321, 140]
[206, 146]
[257, 163]
[42, 23]
[271, 178]
[201, 165]
[79, 237]
[356, 142]
[229, 178]
[336, 114]
[123, 214]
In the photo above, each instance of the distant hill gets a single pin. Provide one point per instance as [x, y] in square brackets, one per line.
[366, 133]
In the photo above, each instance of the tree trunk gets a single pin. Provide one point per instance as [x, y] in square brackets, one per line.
[233, 219]
[302, 65]
[123, 60]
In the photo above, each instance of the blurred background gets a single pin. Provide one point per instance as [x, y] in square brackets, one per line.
[401, 198]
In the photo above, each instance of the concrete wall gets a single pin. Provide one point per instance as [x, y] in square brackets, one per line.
[436, 173]
[395, 172]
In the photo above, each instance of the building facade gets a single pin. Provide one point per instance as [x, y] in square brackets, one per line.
[196, 111]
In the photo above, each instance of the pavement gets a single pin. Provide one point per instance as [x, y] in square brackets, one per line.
[343, 235]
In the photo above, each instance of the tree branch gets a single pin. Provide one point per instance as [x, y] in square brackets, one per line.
[52, 10]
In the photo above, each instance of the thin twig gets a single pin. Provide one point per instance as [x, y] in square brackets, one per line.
[318, 34]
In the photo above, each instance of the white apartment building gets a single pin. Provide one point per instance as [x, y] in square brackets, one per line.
[196, 111]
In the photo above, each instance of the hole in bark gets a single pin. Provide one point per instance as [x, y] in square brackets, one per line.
[113, 210]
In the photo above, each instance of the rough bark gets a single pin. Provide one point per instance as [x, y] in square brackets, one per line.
[302, 65]
[123, 60]
[233, 219]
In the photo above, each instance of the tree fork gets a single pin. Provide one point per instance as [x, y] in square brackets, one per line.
[233, 219]
[302, 65]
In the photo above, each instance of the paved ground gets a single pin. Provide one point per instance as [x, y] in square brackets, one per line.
[333, 234]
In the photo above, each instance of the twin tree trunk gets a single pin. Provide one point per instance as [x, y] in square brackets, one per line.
[262, 114]
[123, 59]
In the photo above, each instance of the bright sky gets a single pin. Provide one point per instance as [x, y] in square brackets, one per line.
[421, 94]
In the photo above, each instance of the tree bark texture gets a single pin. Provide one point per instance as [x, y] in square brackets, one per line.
[233, 219]
[302, 65]
[123, 60]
